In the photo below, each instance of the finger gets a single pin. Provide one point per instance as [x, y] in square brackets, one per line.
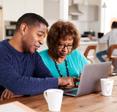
[2, 95]
[9, 95]
[5, 94]
[15, 96]
[76, 79]
[69, 86]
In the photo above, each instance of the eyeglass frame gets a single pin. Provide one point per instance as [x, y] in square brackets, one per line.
[63, 46]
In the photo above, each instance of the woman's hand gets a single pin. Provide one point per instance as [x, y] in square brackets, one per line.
[69, 82]
[66, 82]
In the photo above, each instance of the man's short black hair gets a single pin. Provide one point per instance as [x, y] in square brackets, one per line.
[30, 19]
[114, 24]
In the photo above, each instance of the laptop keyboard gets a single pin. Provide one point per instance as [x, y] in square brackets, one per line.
[72, 91]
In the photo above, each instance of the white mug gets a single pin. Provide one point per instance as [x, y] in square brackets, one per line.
[54, 99]
[106, 86]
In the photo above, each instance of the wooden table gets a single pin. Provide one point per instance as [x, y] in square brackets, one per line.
[87, 103]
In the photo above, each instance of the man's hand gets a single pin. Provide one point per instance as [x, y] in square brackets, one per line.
[7, 94]
[66, 82]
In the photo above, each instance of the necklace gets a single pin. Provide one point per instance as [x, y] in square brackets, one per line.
[66, 66]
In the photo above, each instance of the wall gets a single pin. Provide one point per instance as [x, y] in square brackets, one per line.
[51, 10]
[1, 24]
[108, 14]
[1, 21]
[1, 2]
[55, 10]
[13, 9]
[86, 2]
[90, 19]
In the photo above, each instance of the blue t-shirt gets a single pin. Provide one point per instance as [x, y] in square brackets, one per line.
[75, 62]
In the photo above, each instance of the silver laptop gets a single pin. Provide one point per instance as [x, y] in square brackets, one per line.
[90, 79]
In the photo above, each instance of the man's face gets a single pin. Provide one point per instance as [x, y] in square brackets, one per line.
[33, 37]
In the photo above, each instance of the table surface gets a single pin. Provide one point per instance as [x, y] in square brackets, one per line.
[88, 103]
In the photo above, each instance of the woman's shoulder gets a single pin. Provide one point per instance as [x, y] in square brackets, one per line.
[76, 55]
[44, 52]
[76, 52]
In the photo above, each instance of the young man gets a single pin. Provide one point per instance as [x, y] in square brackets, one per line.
[21, 68]
[110, 38]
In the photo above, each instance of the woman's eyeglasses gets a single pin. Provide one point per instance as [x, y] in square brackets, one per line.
[63, 46]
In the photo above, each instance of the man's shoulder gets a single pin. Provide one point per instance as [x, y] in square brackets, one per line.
[2, 45]
[4, 51]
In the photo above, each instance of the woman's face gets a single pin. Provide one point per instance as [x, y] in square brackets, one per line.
[64, 47]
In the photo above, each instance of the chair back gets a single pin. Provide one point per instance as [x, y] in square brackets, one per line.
[110, 51]
[112, 57]
[87, 52]
[88, 49]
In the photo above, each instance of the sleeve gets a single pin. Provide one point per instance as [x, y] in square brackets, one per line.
[81, 59]
[105, 38]
[23, 85]
[40, 68]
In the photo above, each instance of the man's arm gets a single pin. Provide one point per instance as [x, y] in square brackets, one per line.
[23, 85]
[40, 68]
[7, 94]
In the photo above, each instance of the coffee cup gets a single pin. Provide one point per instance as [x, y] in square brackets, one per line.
[54, 99]
[106, 86]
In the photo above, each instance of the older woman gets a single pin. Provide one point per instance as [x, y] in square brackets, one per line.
[62, 57]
